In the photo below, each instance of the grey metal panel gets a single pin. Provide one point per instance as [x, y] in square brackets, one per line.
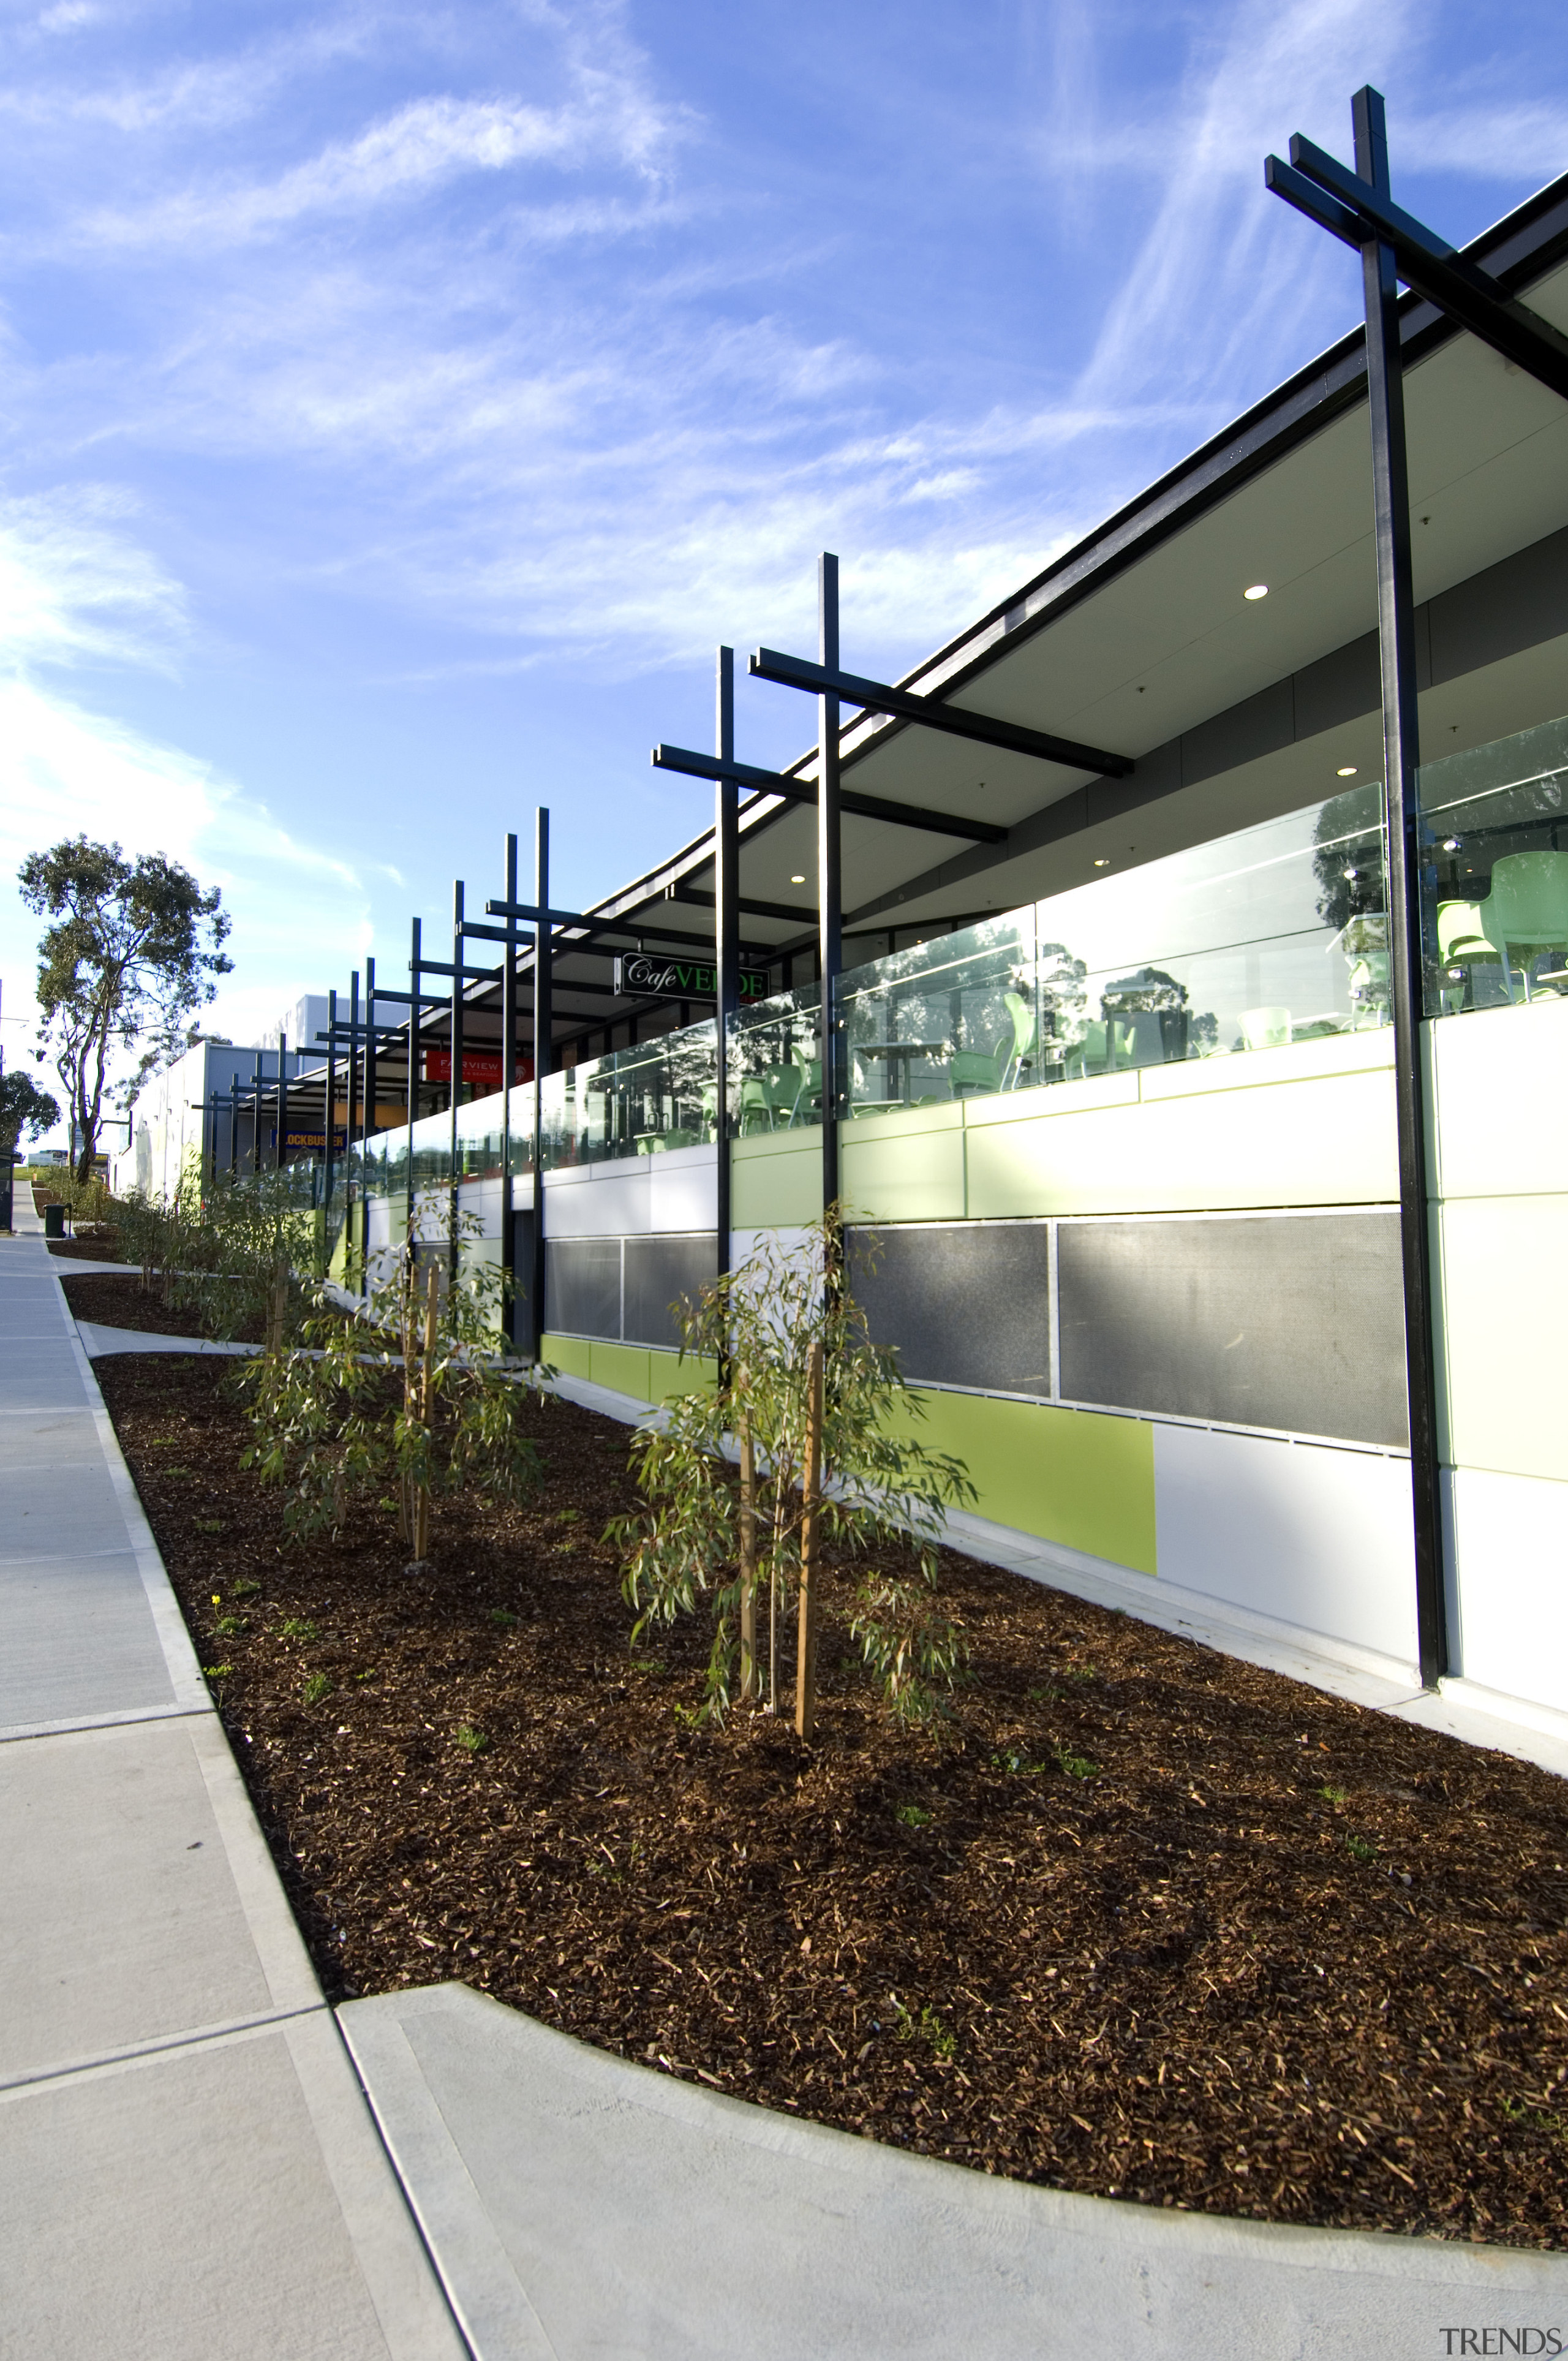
[1515, 604]
[1294, 1322]
[659, 1271]
[966, 1303]
[582, 1287]
[1339, 687]
[1259, 725]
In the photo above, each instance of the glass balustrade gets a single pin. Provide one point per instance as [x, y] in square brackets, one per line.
[1273, 935]
[661, 1094]
[775, 1063]
[1276, 934]
[1493, 872]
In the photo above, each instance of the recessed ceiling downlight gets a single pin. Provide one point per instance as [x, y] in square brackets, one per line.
[1346, 771]
[1256, 590]
[797, 881]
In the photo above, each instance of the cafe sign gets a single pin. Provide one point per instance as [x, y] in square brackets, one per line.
[672, 979]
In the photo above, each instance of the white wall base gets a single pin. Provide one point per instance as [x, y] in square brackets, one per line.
[1510, 1586]
[1314, 1538]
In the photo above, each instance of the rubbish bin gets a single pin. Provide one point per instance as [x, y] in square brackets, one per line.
[54, 1221]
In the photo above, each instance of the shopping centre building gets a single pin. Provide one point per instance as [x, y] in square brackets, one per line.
[1215, 1135]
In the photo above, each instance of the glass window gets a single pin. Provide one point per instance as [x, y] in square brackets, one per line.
[1493, 876]
[1276, 934]
[660, 1094]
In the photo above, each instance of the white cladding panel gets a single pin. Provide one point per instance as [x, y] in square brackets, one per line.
[1301, 1531]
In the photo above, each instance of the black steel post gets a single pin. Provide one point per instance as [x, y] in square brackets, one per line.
[508, 1065]
[368, 1118]
[456, 1071]
[350, 1095]
[283, 1101]
[330, 1094]
[726, 931]
[1395, 633]
[414, 973]
[233, 1126]
[541, 1033]
[255, 1113]
[829, 909]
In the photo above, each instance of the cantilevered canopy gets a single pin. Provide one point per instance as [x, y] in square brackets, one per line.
[1141, 641]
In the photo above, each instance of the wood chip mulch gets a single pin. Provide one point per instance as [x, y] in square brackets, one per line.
[86, 1249]
[1140, 1921]
[111, 1302]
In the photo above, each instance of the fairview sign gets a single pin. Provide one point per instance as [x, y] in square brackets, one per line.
[672, 979]
[478, 1066]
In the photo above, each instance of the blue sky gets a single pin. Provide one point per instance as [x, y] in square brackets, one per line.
[399, 403]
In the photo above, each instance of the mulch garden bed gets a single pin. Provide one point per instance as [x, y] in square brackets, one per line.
[88, 1249]
[111, 1302]
[1139, 1921]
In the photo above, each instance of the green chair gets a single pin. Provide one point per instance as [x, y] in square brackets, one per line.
[978, 1073]
[1527, 911]
[755, 1107]
[1264, 1028]
[808, 1105]
[1461, 934]
[785, 1086]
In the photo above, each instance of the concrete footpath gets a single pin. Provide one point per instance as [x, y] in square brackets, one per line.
[197, 2157]
[188, 2166]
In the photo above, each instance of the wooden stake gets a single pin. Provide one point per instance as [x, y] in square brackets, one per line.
[810, 1548]
[748, 1546]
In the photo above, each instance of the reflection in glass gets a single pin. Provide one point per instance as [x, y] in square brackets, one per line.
[1277, 934]
[1493, 876]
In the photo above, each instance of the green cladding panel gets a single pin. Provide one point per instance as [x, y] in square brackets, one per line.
[1073, 1477]
[905, 1166]
[776, 1179]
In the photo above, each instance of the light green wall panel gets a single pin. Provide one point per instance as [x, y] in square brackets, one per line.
[1296, 1061]
[671, 1373]
[1500, 1100]
[622, 1367]
[1319, 1141]
[1501, 1267]
[1072, 1477]
[776, 1179]
[568, 1354]
[894, 1171]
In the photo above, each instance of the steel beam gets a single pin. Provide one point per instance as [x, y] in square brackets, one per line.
[696, 897]
[727, 928]
[830, 888]
[542, 917]
[509, 936]
[1397, 644]
[824, 679]
[1340, 202]
[457, 972]
[804, 791]
[372, 1044]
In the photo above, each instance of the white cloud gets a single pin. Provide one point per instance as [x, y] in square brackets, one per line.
[74, 588]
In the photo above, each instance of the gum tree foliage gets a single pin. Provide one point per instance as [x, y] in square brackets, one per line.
[349, 1426]
[233, 1249]
[24, 1107]
[883, 1494]
[132, 949]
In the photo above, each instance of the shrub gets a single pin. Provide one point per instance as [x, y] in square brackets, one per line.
[818, 1420]
[337, 1431]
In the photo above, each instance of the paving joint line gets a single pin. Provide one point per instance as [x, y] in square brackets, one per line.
[105, 2060]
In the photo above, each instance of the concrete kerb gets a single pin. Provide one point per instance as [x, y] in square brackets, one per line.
[577, 2203]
